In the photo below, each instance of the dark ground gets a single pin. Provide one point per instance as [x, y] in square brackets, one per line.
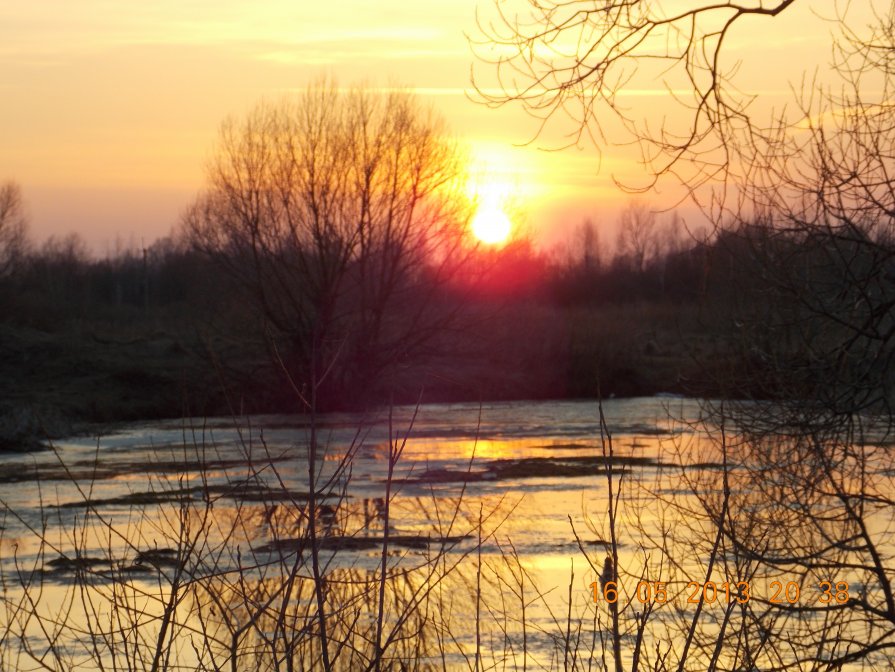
[64, 377]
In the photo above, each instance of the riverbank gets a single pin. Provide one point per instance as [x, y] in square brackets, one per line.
[62, 378]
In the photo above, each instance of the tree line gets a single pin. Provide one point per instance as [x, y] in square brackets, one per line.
[430, 316]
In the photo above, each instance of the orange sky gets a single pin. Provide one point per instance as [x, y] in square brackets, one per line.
[111, 108]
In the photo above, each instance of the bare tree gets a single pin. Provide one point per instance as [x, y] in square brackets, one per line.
[339, 213]
[802, 273]
[809, 261]
[575, 58]
[13, 226]
[638, 235]
[588, 237]
[811, 197]
[813, 238]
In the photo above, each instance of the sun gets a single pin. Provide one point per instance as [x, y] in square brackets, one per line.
[491, 224]
[493, 185]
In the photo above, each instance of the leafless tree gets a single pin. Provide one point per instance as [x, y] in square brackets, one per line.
[588, 237]
[638, 235]
[339, 212]
[809, 251]
[809, 198]
[816, 229]
[576, 58]
[13, 226]
[803, 276]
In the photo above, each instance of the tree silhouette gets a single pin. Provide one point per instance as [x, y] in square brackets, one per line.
[339, 213]
[13, 227]
[801, 277]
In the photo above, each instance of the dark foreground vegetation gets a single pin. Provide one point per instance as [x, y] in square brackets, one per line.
[164, 331]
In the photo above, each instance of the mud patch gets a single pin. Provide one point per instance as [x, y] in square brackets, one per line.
[243, 492]
[86, 471]
[535, 467]
[356, 543]
[146, 562]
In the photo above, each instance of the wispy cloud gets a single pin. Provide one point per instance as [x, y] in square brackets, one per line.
[53, 28]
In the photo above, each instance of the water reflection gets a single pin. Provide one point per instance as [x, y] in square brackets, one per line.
[484, 563]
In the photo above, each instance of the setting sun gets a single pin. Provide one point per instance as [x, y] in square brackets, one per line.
[494, 185]
[491, 224]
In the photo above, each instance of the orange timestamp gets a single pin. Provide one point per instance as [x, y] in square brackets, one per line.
[710, 592]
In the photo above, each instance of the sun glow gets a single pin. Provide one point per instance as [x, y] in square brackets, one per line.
[490, 223]
[497, 186]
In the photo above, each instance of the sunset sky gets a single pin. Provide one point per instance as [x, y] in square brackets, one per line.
[112, 108]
